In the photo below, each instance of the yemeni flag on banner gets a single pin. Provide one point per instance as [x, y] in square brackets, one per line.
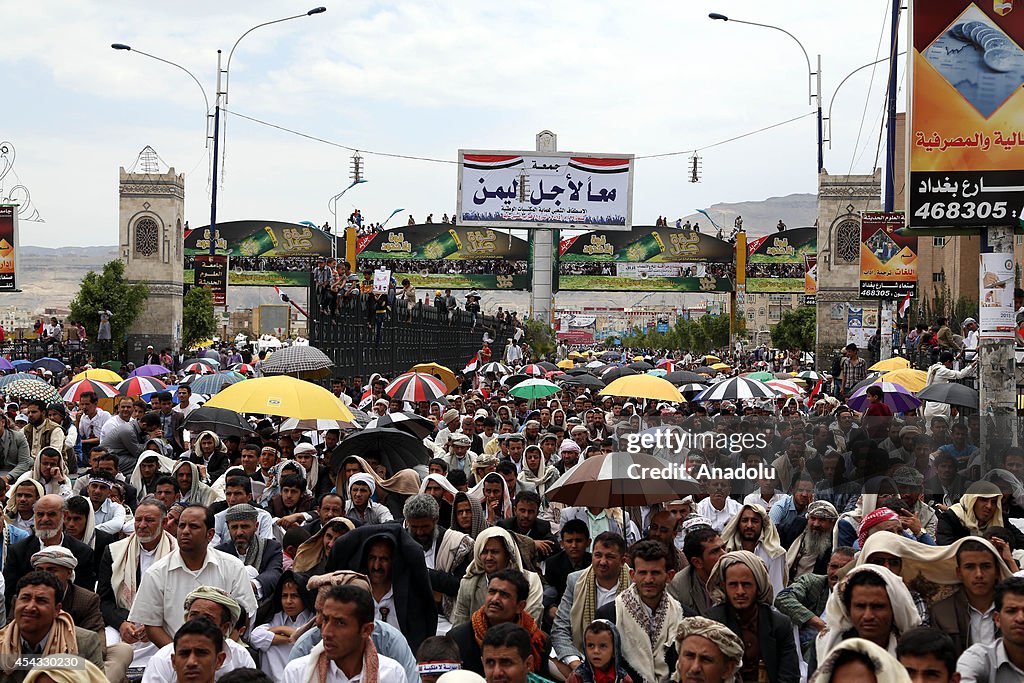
[905, 306]
[471, 366]
[599, 165]
[491, 162]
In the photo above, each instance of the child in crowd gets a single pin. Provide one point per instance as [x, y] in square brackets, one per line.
[603, 660]
[290, 609]
[436, 656]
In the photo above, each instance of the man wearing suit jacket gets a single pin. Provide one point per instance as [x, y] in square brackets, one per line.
[525, 507]
[262, 557]
[49, 531]
[979, 570]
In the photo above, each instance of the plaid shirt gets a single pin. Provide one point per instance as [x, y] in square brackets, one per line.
[853, 372]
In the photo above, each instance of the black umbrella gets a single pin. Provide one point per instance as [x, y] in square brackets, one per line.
[512, 380]
[610, 356]
[577, 371]
[583, 380]
[547, 365]
[705, 370]
[398, 450]
[640, 366]
[615, 373]
[221, 421]
[418, 426]
[871, 379]
[684, 377]
[952, 393]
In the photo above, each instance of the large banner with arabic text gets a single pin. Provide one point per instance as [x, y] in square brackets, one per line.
[8, 248]
[443, 256]
[545, 190]
[648, 258]
[965, 137]
[776, 263]
[262, 253]
[888, 260]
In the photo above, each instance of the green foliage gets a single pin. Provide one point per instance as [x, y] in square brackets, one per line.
[540, 336]
[796, 329]
[109, 290]
[198, 321]
[700, 335]
[942, 303]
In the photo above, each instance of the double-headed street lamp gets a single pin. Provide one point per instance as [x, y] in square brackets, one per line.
[813, 77]
[217, 105]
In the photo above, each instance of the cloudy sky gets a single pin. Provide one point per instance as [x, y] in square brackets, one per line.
[425, 79]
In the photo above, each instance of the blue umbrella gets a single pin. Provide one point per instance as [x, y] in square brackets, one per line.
[211, 384]
[22, 365]
[51, 364]
[7, 379]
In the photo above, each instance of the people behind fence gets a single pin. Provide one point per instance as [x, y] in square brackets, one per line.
[869, 540]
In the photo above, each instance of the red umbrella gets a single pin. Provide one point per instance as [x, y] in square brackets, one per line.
[415, 387]
[199, 369]
[534, 370]
[140, 386]
[70, 393]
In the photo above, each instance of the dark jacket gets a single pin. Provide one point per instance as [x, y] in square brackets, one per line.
[671, 655]
[414, 599]
[952, 616]
[950, 529]
[686, 588]
[775, 633]
[113, 615]
[84, 607]
[541, 531]
[556, 573]
[472, 657]
[270, 568]
[19, 563]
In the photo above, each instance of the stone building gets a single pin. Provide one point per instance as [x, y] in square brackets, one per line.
[150, 225]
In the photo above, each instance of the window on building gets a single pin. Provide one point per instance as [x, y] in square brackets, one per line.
[775, 312]
[939, 242]
[848, 241]
[938, 277]
[147, 237]
[1020, 240]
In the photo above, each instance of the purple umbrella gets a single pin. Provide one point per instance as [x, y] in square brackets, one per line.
[5, 364]
[896, 396]
[150, 370]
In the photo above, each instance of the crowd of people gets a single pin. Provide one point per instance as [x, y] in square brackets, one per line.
[483, 266]
[869, 546]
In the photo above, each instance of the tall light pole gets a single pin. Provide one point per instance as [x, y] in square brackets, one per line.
[813, 77]
[332, 206]
[841, 83]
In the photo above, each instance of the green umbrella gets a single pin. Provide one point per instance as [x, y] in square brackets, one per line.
[760, 376]
[534, 389]
[29, 389]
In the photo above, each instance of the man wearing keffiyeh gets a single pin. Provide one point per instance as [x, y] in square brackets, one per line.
[262, 557]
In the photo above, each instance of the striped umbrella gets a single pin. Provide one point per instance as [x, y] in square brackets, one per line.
[293, 423]
[70, 393]
[735, 389]
[213, 363]
[666, 364]
[198, 368]
[692, 389]
[784, 387]
[151, 370]
[495, 367]
[245, 369]
[810, 375]
[415, 387]
[7, 379]
[212, 384]
[140, 386]
[534, 370]
[896, 396]
[31, 389]
[304, 362]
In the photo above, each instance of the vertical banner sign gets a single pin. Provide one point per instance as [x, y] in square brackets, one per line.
[888, 260]
[965, 139]
[212, 273]
[810, 279]
[995, 282]
[381, 281]
[8, 248]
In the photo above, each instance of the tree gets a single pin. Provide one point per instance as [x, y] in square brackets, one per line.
[109, 290]
[796, 329]
[198, 321]
[540, 336]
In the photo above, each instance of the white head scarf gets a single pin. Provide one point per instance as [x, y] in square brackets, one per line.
[887, 667]
[769, 533]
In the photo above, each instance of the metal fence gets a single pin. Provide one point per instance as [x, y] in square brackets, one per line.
[421, 335]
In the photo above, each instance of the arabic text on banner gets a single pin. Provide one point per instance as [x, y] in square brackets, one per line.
[381, 281]
[888, 260]
[8, 257]
[995, 282]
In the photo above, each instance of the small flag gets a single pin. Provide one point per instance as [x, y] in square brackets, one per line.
[905, 305]
[814, 392]
[471, 366]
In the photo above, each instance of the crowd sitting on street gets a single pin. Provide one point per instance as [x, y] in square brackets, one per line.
[870, 545]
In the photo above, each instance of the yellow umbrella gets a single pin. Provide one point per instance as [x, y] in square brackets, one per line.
[721, 367]
[712, 359]
[566, 364]
[100, 375]
[576, 355]
[441, 372]
[637, 359]
[644, 386]
[894, 363]
[912, 380]
[282, 395]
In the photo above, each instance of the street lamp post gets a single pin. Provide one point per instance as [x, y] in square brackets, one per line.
[813, 91]
[332, 206]
[841, 83]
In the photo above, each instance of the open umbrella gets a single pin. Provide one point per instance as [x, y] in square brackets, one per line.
[415, 387]
[245, 369]
[691, 389]
[284, 396]
[439, 371]
[72, 392]
[534, 370]
[566, 364]
[867, 381]
[610, 356]
[684, 376]
[595, 364]
[721, 367]
[293, 423]
[534, 388]
[644, 386]
[8, 379]
[548, 366]
[735, 389]
[304, 362]
[213, 363]
[914, 380]
[640, 366]
[52, 364]
[152, 370]
[21, 365]
[140, 386]
[894, 363]
[616, 480]
[614, 373]
[6, 365]
[396, 449]
[30, 389]
[810, 375]
[896, 396]
[667, 364]
[417, 425]
[198, 368]
[760, 376]
[705, 370]
[950, 393]
[222, 421]
[495, 367]
[582, 380]
[98, 374]
[709, 359]
[213, 384]
[784, 387]
[657, 372]
[578, 371]
[512, 380]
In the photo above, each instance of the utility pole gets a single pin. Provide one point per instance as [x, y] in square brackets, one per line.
[997, 383]
[886, 319]
[543, 253]
[216, 154]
